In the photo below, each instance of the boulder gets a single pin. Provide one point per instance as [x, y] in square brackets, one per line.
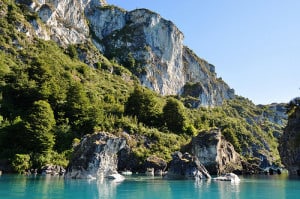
[51, 169]
[95, 156]
[228, 177]
[215, 153]
[186, 166]
[159, 165]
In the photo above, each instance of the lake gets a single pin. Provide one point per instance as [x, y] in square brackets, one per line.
[49, 187]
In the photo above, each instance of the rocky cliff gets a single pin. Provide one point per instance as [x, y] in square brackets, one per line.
[142, 40]
[289, 147]
[215, 153]
[275, 113]
[95, 156]
[61, 21]
[153, 49]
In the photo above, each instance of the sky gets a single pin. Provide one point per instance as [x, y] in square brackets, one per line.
[254, 44]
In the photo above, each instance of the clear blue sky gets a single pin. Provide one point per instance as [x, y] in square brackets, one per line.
[254, 44]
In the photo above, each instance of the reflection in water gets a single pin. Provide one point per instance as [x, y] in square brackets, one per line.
[202, 184]
[21, 186]
[270, 186]
[228, 189]
[218, 189]
[18, 186]
[145, 187]
[50, 185]
[54, 187]
[106, 188]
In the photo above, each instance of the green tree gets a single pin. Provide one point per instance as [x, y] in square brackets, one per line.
[21, 162]
[18, 93]
[63, 137]
[13, 138]
[83, 116]
[143, 104]
[130, 61]
[232, 138]
[174, 115]
[39, 126]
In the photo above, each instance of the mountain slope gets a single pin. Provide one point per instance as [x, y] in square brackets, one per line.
[53, 58]
[155, 45]
[150, 46]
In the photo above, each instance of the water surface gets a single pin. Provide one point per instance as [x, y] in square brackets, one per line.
[49, 187]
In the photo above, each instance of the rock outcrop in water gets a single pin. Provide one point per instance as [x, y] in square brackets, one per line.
[95, 156]
[186, 166]
[289, 147]
[215, 153]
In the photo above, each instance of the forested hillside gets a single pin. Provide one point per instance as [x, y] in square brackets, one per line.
[52, 95]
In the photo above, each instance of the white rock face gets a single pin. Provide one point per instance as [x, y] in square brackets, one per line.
[95, 156]
[215, 153]
[164, 68]
[211, 90]
[104, 21]
[40, 31]
[65, 19]
[162, 62]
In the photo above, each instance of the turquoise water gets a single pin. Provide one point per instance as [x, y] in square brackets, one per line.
[136, 187]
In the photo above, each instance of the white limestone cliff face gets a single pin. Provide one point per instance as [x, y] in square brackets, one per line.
[161, 61]
[64, 19]
[153, 41]
[209, 89]
[163, 46]
[104, 21]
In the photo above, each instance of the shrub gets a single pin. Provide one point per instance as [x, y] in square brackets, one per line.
[72, 51]
[21, 163]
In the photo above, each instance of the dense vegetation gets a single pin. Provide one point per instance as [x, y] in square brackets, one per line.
[50, 98]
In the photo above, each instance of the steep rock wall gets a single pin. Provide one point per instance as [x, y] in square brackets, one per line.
[209, 89]
[64, 19]
[162, 62]
[289, 144]
[150, 46]
[155, 44]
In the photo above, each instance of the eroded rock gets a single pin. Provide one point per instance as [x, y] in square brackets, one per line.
[186, 166]
[96, 156]
[215, 153]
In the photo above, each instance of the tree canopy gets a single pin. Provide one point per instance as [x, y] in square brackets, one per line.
[39, 126]
[174, 115]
